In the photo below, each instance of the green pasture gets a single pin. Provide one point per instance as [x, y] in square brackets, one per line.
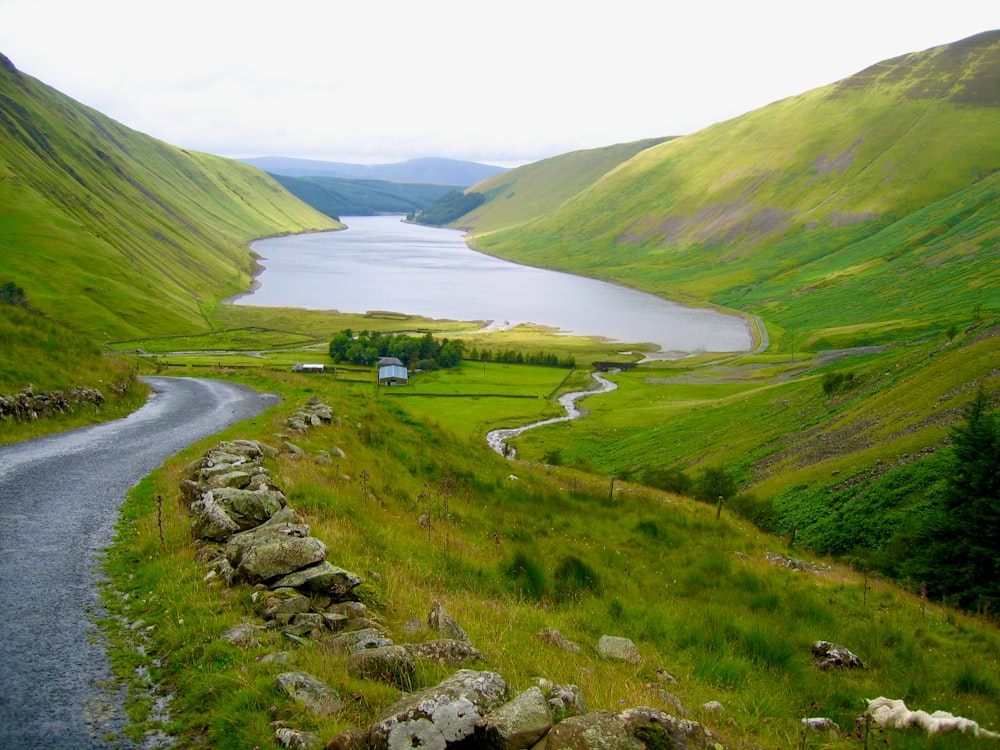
[476, 397]
[426, 514]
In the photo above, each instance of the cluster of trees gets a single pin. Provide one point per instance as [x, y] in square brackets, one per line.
[520, 358]
[449, 207]
[418, 352]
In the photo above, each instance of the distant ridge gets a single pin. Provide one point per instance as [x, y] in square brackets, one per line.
[432, 170]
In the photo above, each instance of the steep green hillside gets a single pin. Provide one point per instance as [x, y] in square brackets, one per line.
[535, 189]
[117, 234]
[882, 186]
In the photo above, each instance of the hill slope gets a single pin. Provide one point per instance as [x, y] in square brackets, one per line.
[884, 183]
[338, 196]
[119, 234]
[530, 191]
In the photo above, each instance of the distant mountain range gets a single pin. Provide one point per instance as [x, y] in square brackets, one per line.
[427, 170]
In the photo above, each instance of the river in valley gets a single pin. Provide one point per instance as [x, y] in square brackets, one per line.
[381, 263]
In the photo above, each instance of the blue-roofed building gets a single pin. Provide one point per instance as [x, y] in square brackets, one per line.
[392, 372]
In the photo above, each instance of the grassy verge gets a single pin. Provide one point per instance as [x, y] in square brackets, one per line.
[508, 557]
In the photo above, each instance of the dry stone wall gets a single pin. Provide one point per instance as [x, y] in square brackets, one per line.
[28, 405]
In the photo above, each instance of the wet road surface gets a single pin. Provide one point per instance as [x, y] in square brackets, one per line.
[59, 500]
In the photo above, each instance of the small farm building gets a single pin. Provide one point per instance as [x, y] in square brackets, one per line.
[308, 367]
[392, 372]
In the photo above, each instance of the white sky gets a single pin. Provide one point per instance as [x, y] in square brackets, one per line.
[504, 82]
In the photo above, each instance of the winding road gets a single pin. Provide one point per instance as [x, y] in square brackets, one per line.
[59, 501]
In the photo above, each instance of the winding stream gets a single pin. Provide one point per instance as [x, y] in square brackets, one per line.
[497, 438]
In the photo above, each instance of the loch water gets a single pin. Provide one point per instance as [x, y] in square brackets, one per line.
[381, 263]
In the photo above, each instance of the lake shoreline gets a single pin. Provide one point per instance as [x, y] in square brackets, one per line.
[438, 274]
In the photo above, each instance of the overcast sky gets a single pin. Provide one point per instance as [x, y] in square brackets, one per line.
[501, 82]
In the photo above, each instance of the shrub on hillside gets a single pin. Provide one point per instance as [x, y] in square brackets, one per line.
[574, 577]
[528, 576]
[668, 479]
[712, 483]
[12, 294]
[838, 382]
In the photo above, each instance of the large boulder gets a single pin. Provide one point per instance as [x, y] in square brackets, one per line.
[210, 520]
[356, 640]
[446, 651]
[269, 552]
[516, 725]
[441, 716]
[315, 696]
[827, 655]
[247, 508]
[632, 729]
[324, 578]
[231, 477]
[239, 544]
[618, 648]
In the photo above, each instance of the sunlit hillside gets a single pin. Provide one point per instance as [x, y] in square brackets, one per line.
[117, 234]
[883, 186]
[530, 191]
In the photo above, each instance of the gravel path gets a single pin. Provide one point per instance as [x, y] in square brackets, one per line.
[59, 500]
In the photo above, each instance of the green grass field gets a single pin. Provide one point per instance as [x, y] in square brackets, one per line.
[697, 596]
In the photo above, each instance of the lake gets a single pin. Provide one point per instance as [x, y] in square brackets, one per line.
[381, 263]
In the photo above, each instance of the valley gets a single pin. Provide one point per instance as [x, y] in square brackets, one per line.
[723, 510]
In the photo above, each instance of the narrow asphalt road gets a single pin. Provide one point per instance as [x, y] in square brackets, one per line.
[59, 500]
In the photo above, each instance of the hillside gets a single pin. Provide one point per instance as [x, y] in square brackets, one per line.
[338, 196]
[435, 171]
[716, 610]
[883, 185]
[117, 234]
[533, 190]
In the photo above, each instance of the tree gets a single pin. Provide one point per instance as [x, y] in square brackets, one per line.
[971, 521]
[955, 553]
[712, 483]
[670, 479]
[451, 354]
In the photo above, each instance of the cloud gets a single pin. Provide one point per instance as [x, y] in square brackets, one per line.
[386, 79]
